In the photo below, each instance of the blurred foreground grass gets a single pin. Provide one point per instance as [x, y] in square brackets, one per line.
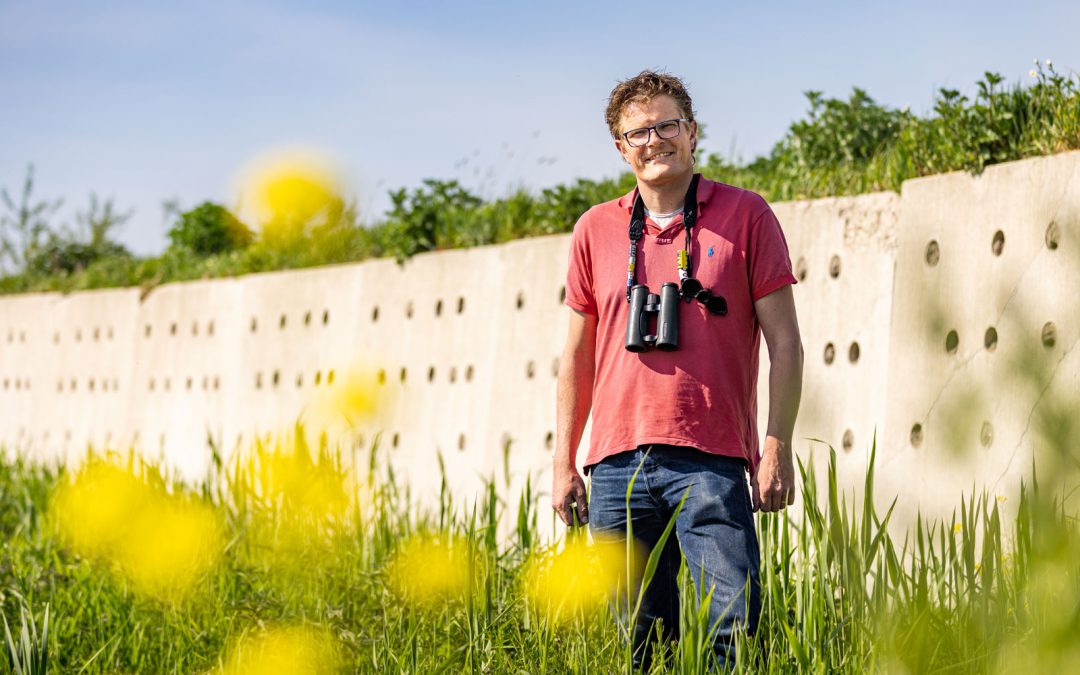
[303, 566]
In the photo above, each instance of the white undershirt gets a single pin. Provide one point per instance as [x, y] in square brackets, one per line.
[663, 219]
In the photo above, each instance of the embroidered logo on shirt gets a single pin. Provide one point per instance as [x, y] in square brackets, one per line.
[710, 251]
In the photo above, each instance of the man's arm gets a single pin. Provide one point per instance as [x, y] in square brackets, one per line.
[574, 400]
[774, 481]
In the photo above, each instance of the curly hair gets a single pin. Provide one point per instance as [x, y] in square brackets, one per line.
[642, 88]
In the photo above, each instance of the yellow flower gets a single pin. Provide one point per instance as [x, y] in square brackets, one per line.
[284, 651]
[289, 191]
[159, 542]
[427, 570]
[578, 579]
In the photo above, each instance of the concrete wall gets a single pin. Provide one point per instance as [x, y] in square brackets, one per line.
[468, 343]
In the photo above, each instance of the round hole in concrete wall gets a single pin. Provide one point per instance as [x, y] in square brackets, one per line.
[381, 376]
[990, 339]
[275, 378]
[461, 304]
[438, 307]
[453, 374]
[168, 384]
[800, 269]
[1053, 236]
[318, 377]
[146, 332]
[217, 383]
[997, 244]
[1049, 335]
[78, 336]
[549, 441]
[834, 266]
[56, 336]
[254, 324]
[210, 328]
[206, 383]
[108, 335]
[7, 384]
[461, 442]
[431, 374]
[374, 314]
[281, 322]
[90, 384]
[520, 301]
[395, 439]
[830, 353]
[73, 384]
[172, 328]
[299, 380]
[916, 435]
[403, 375]
[330, 376]
[194, 327]
[307, 318]
[115, 386]
[468, 373]
[530, 370]
[952, 342]
[986, 434]
[555, 367]
[848, 440]
[258, 380]
[326, 316]
[408, 310]
[562, 294]
[97, 334]
[189, 384]
[60, 386]
[853, 352]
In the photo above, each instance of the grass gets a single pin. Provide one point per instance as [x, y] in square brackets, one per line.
[840, 594]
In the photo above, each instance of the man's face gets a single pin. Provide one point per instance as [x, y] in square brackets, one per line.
[660, 160]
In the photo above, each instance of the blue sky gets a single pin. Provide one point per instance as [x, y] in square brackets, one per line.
[149, 101]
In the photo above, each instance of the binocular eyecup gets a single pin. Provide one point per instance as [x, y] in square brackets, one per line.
[649, 309]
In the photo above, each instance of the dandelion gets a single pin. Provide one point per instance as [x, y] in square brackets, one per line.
[957, 528]
[284, 651]
[1032, 72]
[428, 570]
[578, 579]
[348, 403]
[288, 191]
[161, 543]
[1049, 63]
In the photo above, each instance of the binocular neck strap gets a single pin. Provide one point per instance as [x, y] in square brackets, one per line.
[637, 229]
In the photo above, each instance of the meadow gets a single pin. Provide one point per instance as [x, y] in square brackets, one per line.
[294, 558]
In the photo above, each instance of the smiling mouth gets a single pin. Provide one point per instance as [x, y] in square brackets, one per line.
[659, 155]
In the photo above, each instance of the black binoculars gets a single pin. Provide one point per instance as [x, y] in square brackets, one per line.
[660, 312]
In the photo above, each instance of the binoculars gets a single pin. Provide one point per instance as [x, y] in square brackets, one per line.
[657, 312]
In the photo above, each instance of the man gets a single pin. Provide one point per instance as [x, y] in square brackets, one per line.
[685, 420]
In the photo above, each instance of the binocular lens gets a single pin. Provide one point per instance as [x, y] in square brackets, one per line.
[690, 288]
[716, 305]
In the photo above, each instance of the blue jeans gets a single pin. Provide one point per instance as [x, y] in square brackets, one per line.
[715, 530]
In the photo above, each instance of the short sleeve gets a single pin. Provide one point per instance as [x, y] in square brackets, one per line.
[580, 294]
[768, 259]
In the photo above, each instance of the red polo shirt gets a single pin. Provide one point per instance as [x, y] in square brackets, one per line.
[703, 395]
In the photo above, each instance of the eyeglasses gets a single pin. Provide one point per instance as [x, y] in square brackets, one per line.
[692, 289]
[636, 138]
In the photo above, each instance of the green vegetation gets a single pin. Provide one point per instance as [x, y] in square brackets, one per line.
[840, 594]
[841, 147]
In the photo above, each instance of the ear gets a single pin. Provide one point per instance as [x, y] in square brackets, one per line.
[693, 137]
[620, 146]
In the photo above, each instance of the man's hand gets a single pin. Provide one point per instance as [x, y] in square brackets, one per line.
[774, 481]
[568, 492]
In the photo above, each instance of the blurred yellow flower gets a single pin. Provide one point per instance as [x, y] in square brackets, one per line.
[348, 403]
[159, 542]
[578, 579]
[288, 190]
[426, 570]
[284, 651]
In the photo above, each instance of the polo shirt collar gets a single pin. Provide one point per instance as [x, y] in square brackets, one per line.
[704, 193]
